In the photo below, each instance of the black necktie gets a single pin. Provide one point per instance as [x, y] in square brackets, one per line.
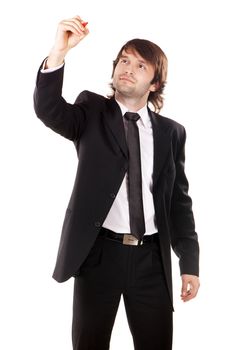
[136, 214]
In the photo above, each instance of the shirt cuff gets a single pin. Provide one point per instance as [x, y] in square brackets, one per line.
[50, 70]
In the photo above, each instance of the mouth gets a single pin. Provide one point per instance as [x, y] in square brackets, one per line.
[125, 78]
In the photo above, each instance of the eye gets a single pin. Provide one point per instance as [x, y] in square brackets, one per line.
[142, 66]
[124, 60]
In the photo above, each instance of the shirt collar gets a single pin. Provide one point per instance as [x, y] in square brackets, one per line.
[143, 112]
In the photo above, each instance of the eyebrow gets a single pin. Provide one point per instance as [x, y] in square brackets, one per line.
[141, 61]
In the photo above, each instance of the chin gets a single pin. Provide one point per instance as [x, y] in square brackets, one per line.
[125, 90]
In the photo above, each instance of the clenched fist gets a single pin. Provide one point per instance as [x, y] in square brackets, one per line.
[69, 33]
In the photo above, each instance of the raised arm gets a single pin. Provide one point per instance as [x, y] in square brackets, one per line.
[62, 117]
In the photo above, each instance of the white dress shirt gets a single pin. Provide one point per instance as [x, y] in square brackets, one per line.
[117, 219]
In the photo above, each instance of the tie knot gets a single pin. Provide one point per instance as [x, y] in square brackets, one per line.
[132, 116]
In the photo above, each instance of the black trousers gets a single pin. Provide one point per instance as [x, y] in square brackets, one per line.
[111, 270]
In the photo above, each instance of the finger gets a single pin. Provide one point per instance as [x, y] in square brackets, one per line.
[79, 22]
[78, 18]
[194, 288]
[184, 289]
[72, 27]
[191, 292]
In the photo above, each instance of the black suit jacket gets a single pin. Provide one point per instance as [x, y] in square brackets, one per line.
[95, 125]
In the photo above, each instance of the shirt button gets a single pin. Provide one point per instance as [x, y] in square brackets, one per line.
[112, 195]
[97, 224]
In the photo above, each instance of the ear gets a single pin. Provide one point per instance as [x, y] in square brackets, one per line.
[154, 87]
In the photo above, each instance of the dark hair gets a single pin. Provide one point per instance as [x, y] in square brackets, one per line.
[153, 54]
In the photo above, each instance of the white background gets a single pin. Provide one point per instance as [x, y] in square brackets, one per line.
[38, 166]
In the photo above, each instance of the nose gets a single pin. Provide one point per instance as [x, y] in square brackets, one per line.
[129, 69]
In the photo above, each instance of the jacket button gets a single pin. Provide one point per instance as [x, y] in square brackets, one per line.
[112, 195]
[97, 224]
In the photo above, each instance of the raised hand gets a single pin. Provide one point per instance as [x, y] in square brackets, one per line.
[69, 33]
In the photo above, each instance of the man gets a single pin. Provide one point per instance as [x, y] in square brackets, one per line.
[130, 200]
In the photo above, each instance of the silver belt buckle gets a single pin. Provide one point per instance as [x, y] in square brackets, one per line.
[131, 240]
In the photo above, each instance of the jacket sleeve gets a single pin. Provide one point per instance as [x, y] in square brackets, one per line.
[184, 238]
[51, 108]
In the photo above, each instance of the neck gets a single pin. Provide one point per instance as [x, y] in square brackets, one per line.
[132, 104]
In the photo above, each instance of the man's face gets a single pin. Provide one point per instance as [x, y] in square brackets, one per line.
[132, 76]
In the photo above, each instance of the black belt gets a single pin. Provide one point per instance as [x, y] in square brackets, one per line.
[127, 239]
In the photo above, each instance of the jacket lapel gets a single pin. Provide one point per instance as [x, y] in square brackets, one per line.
[161, 144]
[114, 120]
